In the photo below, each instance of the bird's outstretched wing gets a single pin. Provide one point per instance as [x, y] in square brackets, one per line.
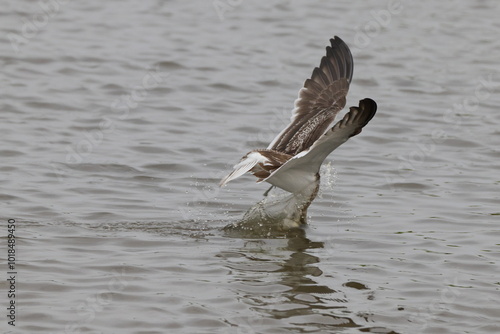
[294, 173]
[319, 101]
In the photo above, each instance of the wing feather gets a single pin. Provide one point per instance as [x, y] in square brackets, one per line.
[319, 101]
[308, 162]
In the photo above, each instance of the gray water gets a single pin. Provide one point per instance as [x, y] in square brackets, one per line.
[118, 118]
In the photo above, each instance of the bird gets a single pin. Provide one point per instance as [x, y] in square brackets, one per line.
[293, 159]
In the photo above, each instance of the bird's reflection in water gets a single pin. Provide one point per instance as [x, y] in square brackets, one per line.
[277, 278]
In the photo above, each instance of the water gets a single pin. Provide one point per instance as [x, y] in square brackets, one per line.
[119, 118]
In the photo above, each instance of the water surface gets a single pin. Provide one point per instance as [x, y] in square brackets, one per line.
[120, 117]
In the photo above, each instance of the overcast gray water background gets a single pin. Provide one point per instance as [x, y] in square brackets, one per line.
[118, 118]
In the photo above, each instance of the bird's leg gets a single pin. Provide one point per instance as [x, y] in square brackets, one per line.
[268, 190]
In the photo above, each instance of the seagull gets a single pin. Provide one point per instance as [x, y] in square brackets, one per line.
[293, 159]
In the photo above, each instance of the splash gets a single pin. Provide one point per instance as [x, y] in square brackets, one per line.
[328, 178]
[278, 214]
[281, 213]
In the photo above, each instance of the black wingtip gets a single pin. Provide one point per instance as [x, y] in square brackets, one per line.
[337, 41]
[369, 103]
[369, 107]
